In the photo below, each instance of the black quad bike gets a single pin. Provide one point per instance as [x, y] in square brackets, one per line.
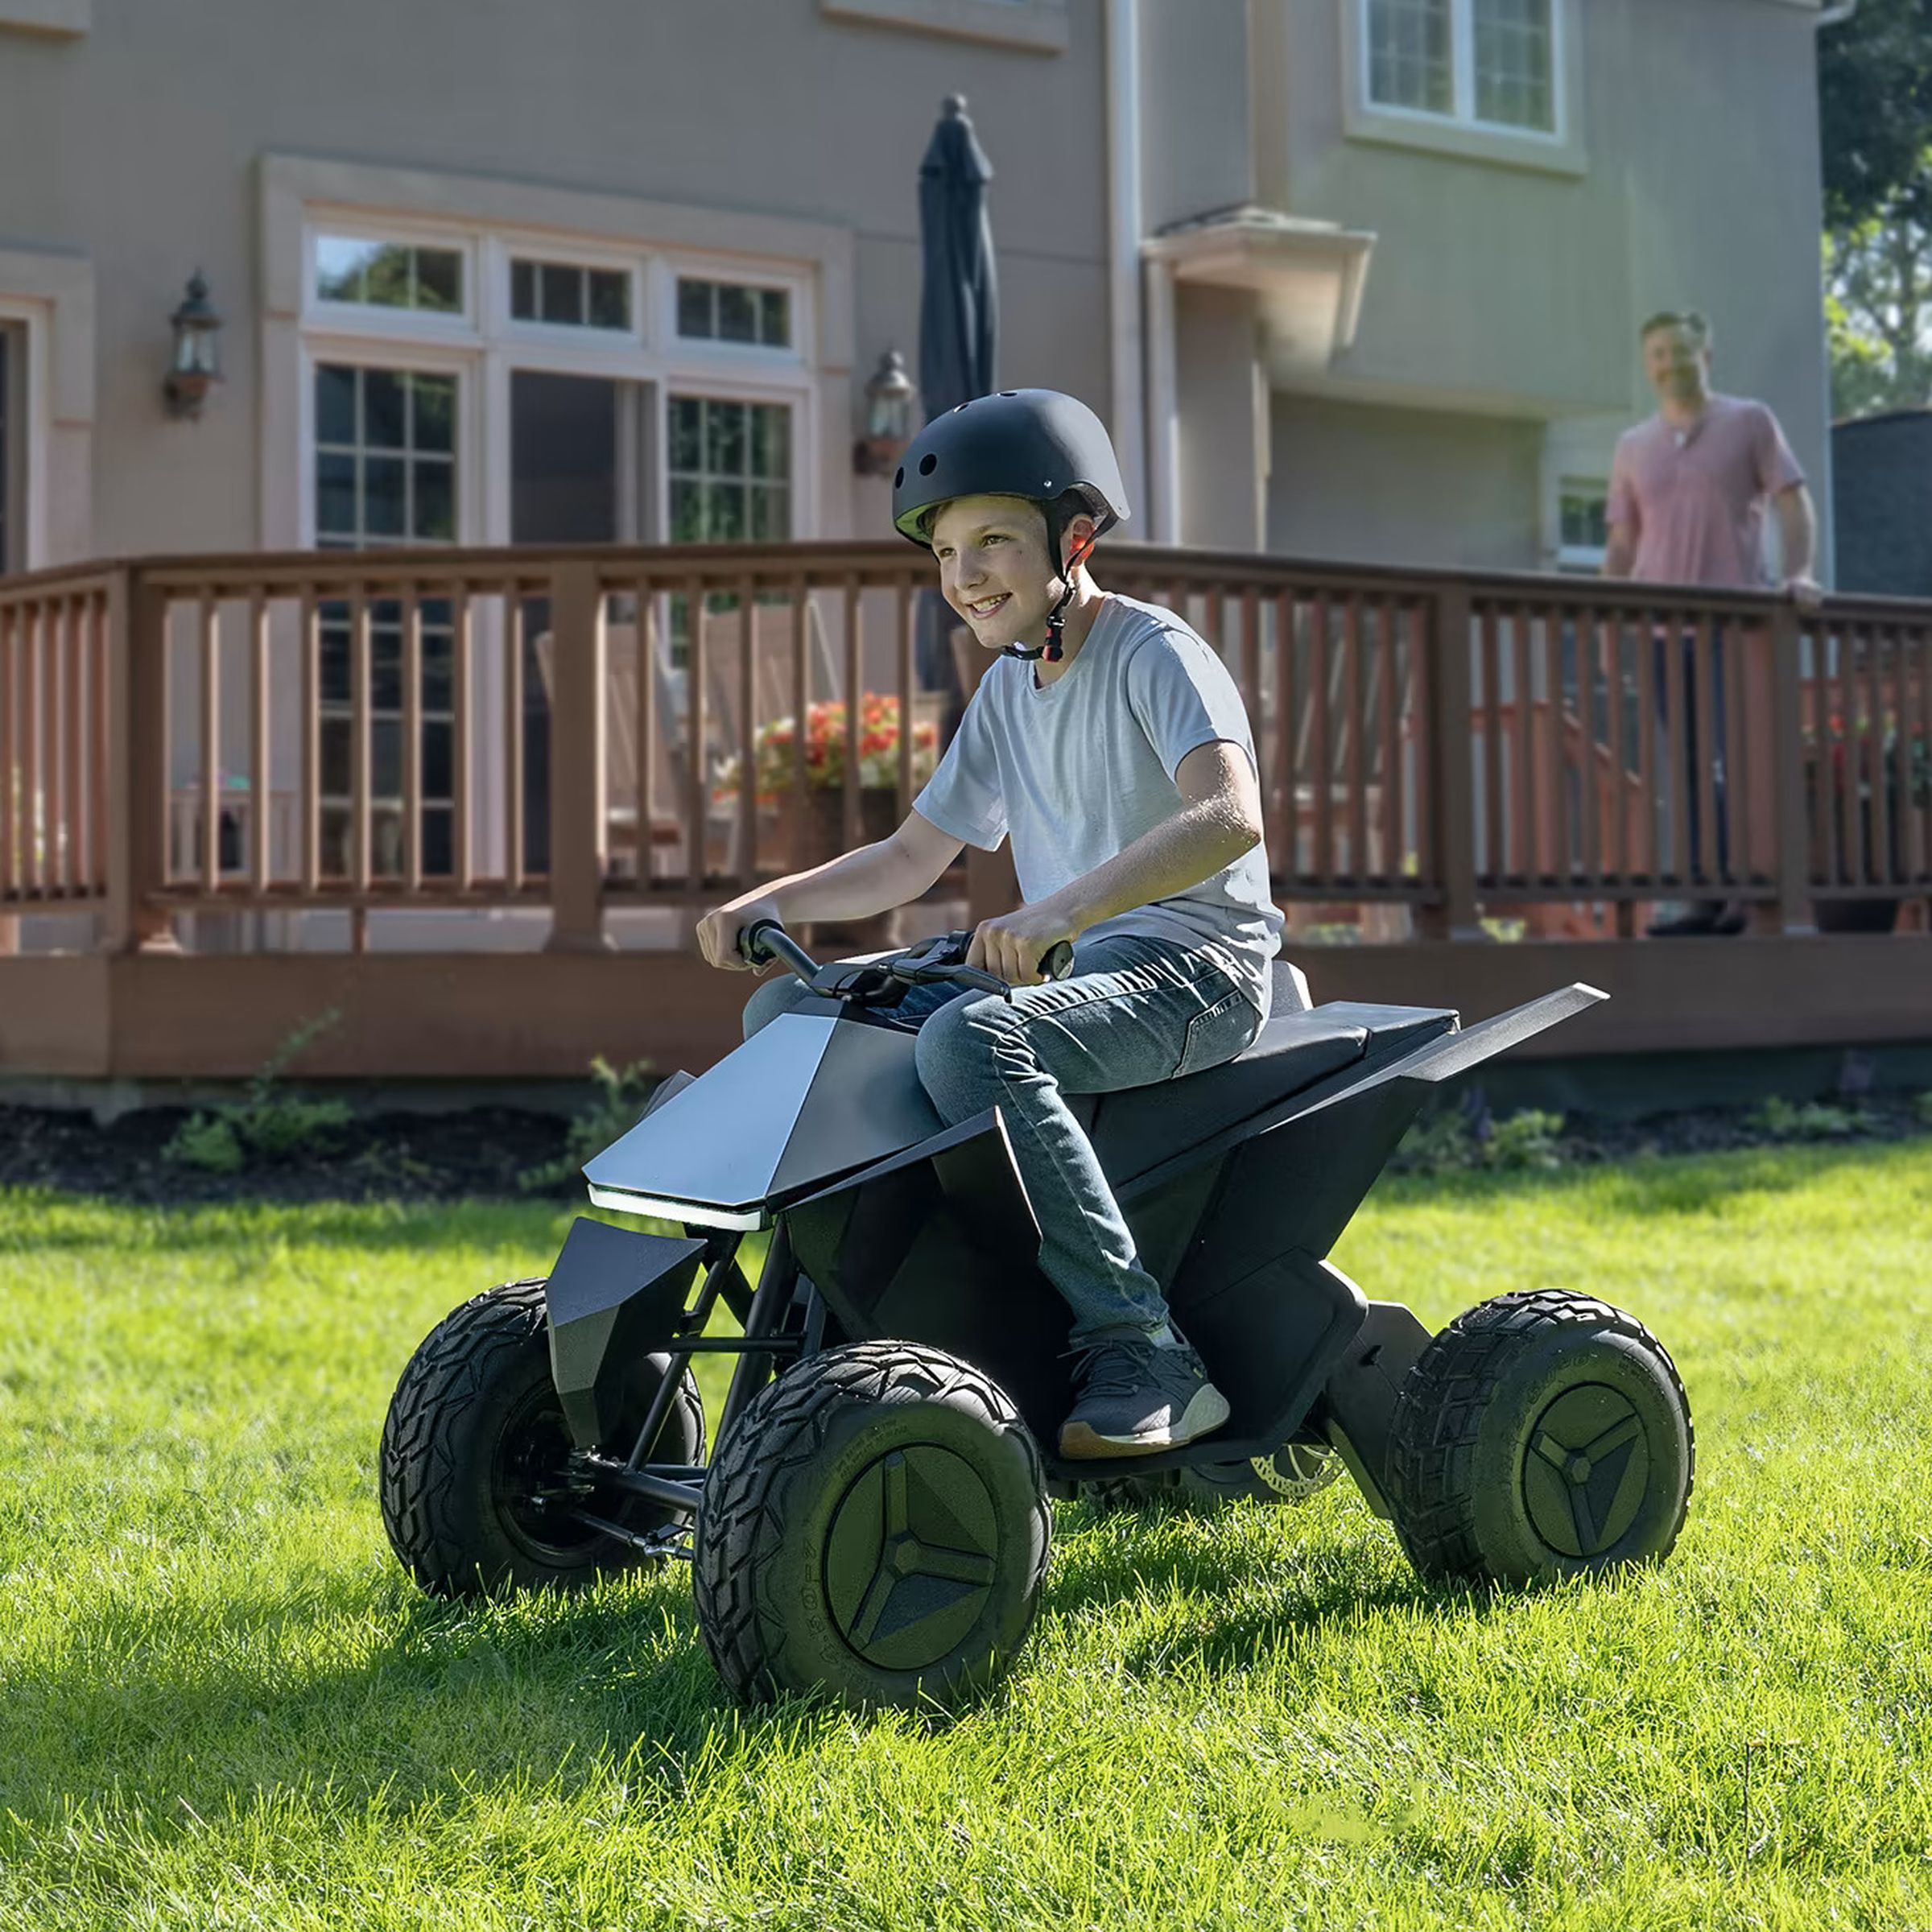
[875, 1521]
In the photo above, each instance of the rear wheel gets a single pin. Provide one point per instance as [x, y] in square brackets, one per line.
[477, 1489]
[874, 1525]
[1541, 1435]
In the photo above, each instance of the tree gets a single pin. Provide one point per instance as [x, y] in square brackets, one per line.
[1875, 106]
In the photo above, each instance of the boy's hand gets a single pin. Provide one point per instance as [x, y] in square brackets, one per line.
[1013, 946]
[719, 929]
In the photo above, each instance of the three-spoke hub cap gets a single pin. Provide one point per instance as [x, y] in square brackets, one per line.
[910, 1558]
[1588, 1470]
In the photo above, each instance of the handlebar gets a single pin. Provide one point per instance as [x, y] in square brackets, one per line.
[764, 940]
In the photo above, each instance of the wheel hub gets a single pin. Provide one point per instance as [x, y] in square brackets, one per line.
[910, 1557]
[1587, 1471]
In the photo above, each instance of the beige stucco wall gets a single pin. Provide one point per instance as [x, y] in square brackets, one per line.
[1364, 484]
[145, 136]
[1505, 290]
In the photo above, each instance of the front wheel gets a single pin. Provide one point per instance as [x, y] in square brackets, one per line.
[1541, 1435]
[477, 1489]
[875, 1526]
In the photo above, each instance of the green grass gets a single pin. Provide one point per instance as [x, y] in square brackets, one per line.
[224, 1705]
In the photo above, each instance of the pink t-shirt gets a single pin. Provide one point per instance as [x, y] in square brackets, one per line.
[1695, 498]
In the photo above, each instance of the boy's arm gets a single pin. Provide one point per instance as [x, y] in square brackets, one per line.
[855, 886]
[1220, 819]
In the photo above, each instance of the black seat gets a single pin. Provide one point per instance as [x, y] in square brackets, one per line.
[1140, 1127]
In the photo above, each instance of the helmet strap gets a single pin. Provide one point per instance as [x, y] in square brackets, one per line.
[1054, 648]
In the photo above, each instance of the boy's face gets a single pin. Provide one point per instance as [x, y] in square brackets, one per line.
[993, 566]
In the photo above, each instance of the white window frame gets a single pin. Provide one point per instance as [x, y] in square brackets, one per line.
[1462, 68]
[502, 247]
[1459, 133]
[1579, 558]
[672, 269]
[29, 321]
[431, 325]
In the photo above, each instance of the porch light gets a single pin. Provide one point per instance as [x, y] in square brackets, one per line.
[891, 402]
[196, 367]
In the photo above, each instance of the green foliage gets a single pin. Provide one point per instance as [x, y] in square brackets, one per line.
[226, 1708]
[1921, 1109]
[269, 1124]
[1438, 1141]
[1527, 1140]
[619, 1099]
[1780, 1120]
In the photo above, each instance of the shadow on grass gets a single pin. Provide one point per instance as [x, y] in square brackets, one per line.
[550, 1693]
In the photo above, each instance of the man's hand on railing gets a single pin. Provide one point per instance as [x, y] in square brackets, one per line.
[1805, 591]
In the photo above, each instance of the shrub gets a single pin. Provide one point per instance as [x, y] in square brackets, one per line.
[1525, 1140]
[269, 1124]
[1780, 1120]
[208, 1142]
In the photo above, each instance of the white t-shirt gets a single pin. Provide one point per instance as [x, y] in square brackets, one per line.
[1077, 770]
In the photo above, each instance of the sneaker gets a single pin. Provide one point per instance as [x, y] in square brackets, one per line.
[1136, 1399]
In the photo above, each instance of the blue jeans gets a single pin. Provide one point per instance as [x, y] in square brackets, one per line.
[1136, 1012]
[1707, 858]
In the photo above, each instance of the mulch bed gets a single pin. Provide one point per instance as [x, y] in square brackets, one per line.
[486, 1151]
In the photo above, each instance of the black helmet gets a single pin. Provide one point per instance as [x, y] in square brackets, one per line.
[1033, 443]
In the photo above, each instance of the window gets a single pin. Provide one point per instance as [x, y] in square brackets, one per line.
[734, 311]
[386, 454]
[386, 457]
[574, 297]
[389, 274]
[729, 470]
[1583, 523]
[13, 448]
[1490, 62]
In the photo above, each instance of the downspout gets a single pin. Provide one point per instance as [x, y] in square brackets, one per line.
[1127, 344]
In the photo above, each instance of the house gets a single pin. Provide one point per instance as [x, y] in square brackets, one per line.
[1349, 278]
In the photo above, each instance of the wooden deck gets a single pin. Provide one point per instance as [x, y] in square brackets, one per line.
[275, 751]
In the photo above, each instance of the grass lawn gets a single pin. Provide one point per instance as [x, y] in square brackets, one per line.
[221, 1704]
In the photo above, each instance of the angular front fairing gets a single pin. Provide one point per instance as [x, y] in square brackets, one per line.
[805, 1099]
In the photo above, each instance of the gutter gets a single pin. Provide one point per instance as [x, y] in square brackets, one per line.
[1125, 220]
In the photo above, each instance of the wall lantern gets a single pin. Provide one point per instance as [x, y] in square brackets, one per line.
[196, 367]
[892, 405]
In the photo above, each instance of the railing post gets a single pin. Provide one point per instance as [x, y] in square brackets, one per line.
[1451, 799]
[1794, 909]
[578, 834]
[136, 766]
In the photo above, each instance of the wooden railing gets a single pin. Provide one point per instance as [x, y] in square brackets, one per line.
[595, 728]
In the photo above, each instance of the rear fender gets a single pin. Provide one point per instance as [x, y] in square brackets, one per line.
[615, 1295]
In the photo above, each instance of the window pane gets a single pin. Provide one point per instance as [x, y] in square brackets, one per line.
[725, 453]
[686, 432]
[775, 316]
[563, 294]
[386, 757]
[383, 398]
[340, 265]
[335, 403]
[382, 486]
[333, 653]
[694, 307]
[439, 741]
[609, 298]
[725, 520]
[435, 518]
[687, 513]
[1514, 81]
[385, 667]
[770, 513]
[335, 496]
[386, 841]
[438, 842]
[1409, 55]
[438, 666]
[439, 279]
[523, 290]
[334, 734]
[336, 838]
[388, 282]
[771, 441]
[737, 313]
[433, 399]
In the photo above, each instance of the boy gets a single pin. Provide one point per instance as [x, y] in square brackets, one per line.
[1112, 745]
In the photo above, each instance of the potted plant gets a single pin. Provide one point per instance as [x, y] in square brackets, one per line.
[1850, 814]
[775, 754]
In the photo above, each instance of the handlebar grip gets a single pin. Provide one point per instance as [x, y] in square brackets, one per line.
[751, 946]
[1058, 962]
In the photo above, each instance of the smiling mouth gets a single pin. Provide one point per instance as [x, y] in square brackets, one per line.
[984, 607]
